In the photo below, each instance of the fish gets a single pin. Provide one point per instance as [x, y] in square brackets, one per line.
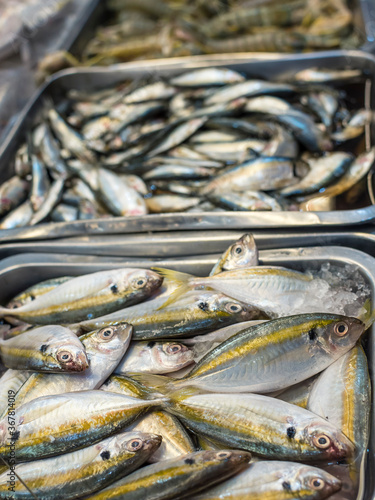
[54, 425]
[273, 290]
[173, 478]
[51, 200]
[274, 479]
[155, 357]
[355, 126]
[196, 312]
[274, 355]
[243, 253]
[51, 349]
[176, 440]
[246, 201]
[104, 349]
[34, 291]
[88, 296]
[207, 76]
[19, 217]
[12, 193]
[258, 174]
[171, 203]
[84, 471]
[324, 171]
[268, 427]
[40, 184]
[341, 394]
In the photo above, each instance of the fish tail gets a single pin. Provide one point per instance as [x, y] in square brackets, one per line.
[154, 385]
[180, 279]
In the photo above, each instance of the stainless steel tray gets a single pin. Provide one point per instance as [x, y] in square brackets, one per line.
[184, 243]
[262, 65]
[19, 272]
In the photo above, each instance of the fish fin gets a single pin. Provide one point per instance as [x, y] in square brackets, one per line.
[178, 278]
[368, 315]
[160, 383]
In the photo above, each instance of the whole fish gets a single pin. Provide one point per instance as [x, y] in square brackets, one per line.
[246, 201]
[243, 253]
[259, 174]
[153, 91]
[266, 426]
[54, 425]
[175, 477]
[50, 153]
[275, 354]
[19, 217]
[356, 171]
[323, 75]
[196, 312]
[171, 203]
[207, 76]
[104, 349]
[248, 89]
[12, 193]
[84, 471]
[50, 349]
[176, 441]
[88, 296]
[273, 479]
[324, 171]
[40, 184]
[119, 196]
[155, 357]
[274, 290]
[341, 394]
[231, 151]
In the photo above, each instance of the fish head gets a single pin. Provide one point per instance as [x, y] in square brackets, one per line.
[229, 457]
[172, 355]
[15, 304]
[144, 280]
[227, 306]
[342, 333]
[243, 253]
[130, 442]
[69, 357]
[108, 340]
[320, 483]
[328, 441]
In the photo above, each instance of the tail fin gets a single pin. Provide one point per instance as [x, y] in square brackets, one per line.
[153, 384]
[182, 280]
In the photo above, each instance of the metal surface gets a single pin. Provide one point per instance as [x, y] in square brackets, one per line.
[21, 271]
[185, 243]
[262, 65]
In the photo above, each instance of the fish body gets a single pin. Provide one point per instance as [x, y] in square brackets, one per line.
[10, 383]
[59, 424]
[12, 193]
[173, 478]
[273, 479]
[266, 426]
[275, 354]
[19, 217]
[207, 76]
[83, 471]
[88, 296]
[40, 184]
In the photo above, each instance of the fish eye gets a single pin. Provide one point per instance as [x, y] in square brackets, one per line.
[316, 483]
[140, 282]
[238, 249]
[134, 444]
[64, 356]
[341, 329]
[322, 441]
[16, 305]
[222, 455]
[106, 333]
[174, 349]
[233, 308]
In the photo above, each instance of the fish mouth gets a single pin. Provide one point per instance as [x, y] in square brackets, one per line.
[80, 364]
[153, 442]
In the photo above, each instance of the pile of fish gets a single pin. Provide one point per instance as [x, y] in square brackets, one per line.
[125, 367]
[205, 140]
[149, 29]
